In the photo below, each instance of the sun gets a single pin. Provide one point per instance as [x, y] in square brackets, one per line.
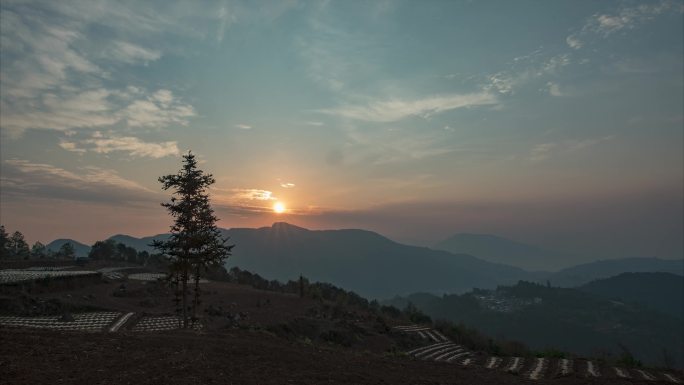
[279, 208]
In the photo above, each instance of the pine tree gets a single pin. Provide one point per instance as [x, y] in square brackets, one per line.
[4, 243]
[38, 250]
[195, 242]
[18, 246]
[67, 251]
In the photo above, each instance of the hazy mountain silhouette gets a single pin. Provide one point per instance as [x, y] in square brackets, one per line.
[587, 272]
[358, 260]
[80, 249]
[496, 249]
[377, 267]
[659, 291]
[140, 244]
[362, 261]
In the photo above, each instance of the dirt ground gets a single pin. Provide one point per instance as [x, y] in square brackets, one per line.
[231, 357]
[249, 336]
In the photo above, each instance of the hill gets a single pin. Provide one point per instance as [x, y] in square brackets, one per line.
[560, 319]
[659, 291]
[358, 260]
[80, 249]
[362, 261]
[377, 267]
[587, 272]
[501, 250]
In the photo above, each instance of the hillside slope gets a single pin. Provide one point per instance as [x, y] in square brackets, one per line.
[587, 272]
[81, 250]
[659, 291]
[501, 250]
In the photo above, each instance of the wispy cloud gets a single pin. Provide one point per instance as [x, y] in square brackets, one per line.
[133, 53]
[544, 151]
[53, 77]
[526, 69]
[243, 126]
[314, 123]
[287, 185]
[624, 18]
[158, 110]
[554, 89]
[244, 200]
[24, 179]
[131, 145]
[396, 109]
[251, 194]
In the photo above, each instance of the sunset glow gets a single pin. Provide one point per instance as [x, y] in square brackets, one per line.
[279, 208]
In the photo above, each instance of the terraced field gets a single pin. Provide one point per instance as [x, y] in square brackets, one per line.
[440, 348]
[24, 275]
[97, 322]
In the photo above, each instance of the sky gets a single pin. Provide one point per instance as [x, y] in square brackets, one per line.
[554, 123]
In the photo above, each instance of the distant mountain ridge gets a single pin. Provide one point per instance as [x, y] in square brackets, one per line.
[81, 250]
[496, 249]
[360, 260]
[587, 272]
[663, 292]
[377, 267]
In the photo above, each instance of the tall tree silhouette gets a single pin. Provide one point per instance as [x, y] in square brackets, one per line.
[195, 242]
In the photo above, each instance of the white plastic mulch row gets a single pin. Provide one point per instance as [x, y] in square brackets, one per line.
[94, 321]
[493, 362]
[147, 276]
[158, 323]
[113, 275]
[48, 268]
[592, 370]
[12, 276]
[516, 364]
[565, 366]
[157, 276]
[538, 368]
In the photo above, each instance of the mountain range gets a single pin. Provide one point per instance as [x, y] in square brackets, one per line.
[377, 267]
[501, 250]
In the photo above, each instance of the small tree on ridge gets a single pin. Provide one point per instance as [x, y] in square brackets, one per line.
[195, 242]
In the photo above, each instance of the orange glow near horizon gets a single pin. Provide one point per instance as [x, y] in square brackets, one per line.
[279, 208]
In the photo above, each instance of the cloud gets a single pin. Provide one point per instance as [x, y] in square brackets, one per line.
[243, 126]
[131, 145]
[22, 179]
[545, 151]
[574, 42]
[395, 109]
[526, 69]
[542, 151]
[54, 77]
[252, 194]
[158, 110]
[133, 53]
[554, 89]
[624, 18]
[66, 110]
[243, 201]
[287, 185]
[314, 123]
[225, 19]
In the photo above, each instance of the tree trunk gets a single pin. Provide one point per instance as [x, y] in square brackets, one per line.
[195, 303]
[185, 298]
